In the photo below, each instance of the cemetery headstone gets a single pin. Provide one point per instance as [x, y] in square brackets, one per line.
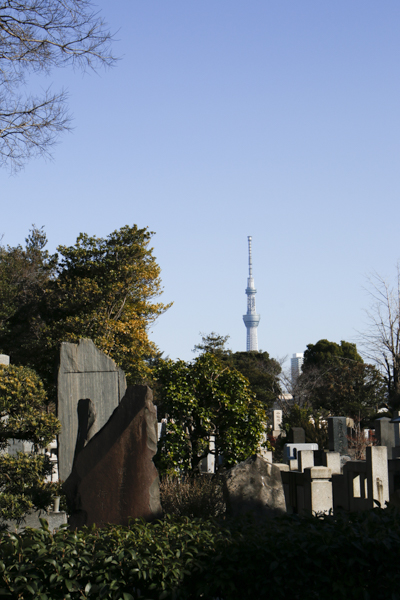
[85, 373]
[113, 477]
[384, 433]
[337, 433]
[297, 436]
[254, 485]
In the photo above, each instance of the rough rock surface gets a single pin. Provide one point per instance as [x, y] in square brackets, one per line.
[113, 477]
[85, 373]
[254, 485]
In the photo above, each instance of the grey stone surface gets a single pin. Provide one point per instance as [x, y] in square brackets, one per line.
[113, 477]
[385, 434]
[337, 432]
[4, 359]
[297, 436]
[254, 485]
[54, 520]
[84, 373]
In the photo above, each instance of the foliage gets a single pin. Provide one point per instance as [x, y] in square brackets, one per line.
[213, 343]
[197, 496]
[202, 399]
[315, 427]
[24, 278]
[100, 288]
[23, 416]
[336, 381]
[104, 291]
[324, 352]
[36, 37]
[261, 370]
[184, 559]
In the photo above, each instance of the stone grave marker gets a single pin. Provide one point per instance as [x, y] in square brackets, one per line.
[385, 434]
[113, 477]
[337, 433]
[85, 373]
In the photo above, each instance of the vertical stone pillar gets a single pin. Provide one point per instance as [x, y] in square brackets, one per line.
[377, 475]
[337, 432]
[384, 432]
[305, 459]
[318, 497]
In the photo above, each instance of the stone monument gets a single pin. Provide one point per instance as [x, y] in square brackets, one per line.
[337, 433]
[85, 373]
[254, 485]
[113, 477]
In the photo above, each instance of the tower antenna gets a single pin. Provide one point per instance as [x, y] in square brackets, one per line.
[251, 318]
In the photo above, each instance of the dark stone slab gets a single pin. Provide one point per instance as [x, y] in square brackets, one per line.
[337, 433]
[114, 477]
[296, 436]
[85, 374]
[384, 433]
[254, 485]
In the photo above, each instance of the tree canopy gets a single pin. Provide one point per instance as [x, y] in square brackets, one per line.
[100, 288]
[38, 36]
[336, 381]
[324, 352]
[23, 416]
[262, 371]
[202, 399]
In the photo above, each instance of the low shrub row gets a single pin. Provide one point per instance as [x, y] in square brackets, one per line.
[345, 557]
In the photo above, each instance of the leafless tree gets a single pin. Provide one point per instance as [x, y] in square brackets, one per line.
[37, 36]
[381, 341]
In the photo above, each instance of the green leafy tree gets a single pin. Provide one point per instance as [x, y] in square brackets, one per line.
[25, 274]
[324, 352]
[213, 343]
[202, 399]
[262, 371]
[100, 288]
[336, 381]
[23, 416]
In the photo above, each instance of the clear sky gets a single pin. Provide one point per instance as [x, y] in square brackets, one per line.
[275, 119]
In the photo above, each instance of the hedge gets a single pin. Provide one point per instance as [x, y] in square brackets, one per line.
[348, 557]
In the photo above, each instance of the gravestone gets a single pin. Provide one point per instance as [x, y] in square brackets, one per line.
[114, 478]
[337, 433]
[85, 373]
[296, 435]
[385, 434]
[276, 422]
[254, 485]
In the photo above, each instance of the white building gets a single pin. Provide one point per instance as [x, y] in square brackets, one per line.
[295, 366]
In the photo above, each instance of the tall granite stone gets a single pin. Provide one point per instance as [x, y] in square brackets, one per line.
[254, 485]
[85, 373]
[337, 433]
[114, 478]
[385, 434]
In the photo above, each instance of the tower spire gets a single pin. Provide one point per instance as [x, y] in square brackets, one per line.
[251, 318]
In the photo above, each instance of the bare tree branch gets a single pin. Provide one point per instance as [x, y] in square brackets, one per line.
[381, 342]
[37, 36]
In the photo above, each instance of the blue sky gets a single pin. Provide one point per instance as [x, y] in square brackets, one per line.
[225, 119]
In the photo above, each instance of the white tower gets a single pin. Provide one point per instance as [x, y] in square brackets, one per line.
[251, 318]
[296, 363]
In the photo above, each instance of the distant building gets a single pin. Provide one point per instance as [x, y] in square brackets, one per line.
[251, 318]
[296, 363]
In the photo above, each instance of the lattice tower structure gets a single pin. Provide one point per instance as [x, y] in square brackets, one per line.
[251, 318]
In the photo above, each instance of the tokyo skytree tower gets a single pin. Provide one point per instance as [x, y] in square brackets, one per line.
[251, 318]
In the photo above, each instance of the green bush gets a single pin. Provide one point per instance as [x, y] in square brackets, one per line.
[349, 557]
